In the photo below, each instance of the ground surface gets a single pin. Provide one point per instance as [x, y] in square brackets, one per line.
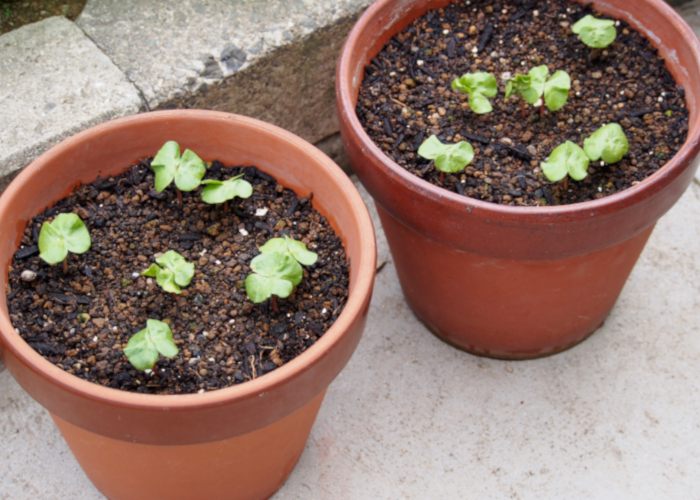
[412, 418]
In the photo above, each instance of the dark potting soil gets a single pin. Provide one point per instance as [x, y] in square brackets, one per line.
[406, 97]
[82, 320]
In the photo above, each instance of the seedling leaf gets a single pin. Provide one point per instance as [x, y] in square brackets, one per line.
[273, 274]
[289, 246]
[66, 233]
[187, 171]
[190, 172]
[596, 33]
[608, 142]
[175, 273]
[478, 86]
[448, 158]
[165, 164]
[143, 348]
[556, 90]
[530, 87]
[220, 191]
[567, 158]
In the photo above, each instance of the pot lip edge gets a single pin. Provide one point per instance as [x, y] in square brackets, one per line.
[354, 310]
[532, 215]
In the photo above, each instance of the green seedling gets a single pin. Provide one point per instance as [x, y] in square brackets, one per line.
[566, 159]
[187, 170]
[291, 247]
[448, 158]
[478, 86]
[66, 233]
[274, 275]
[277, 270]
[556, 90]
[608, 143]
[143, 348]
[175, 273]
[535, 85]
[596, 33]
[216, 192]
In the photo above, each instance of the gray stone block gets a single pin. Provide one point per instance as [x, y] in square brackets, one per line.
[54, 83]
[269, 59]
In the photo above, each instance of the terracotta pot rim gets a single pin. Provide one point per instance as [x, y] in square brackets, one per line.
[364, 267]
[527, 215]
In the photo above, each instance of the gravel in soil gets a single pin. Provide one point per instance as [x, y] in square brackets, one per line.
[16, 13]
[82, 320]
[406, 96]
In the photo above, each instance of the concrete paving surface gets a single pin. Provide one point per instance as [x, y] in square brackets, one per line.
[616, 417]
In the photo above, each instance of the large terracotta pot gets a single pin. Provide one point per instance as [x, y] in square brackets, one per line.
[235, 443]
[514, 282]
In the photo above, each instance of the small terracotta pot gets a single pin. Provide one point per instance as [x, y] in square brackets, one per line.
[235, 443]
[514, 282]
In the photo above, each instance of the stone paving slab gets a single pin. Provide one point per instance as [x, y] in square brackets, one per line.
[183, 53]
[413, 418]
[54, 82]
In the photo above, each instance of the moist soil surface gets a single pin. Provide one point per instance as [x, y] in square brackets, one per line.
[406, 96]
[82, 320]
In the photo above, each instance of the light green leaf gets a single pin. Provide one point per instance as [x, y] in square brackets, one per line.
[299, 251]
[431, 148]
[530, 86]
[165, 164]
[260, 288]
[279, 266]
[448, 158]
[166, 280]
[143, 348]
[182, 270]
[294, 248]
[455, 157]
[162, 337]
[221, 191]
[477, 85]
[152, 271]
[190, 172]
[510, 86]
[479, 103]
[176, 271]
[273, 274]
[567, 158]
[608, 142]
[556, 90]
[187, 171]
[596, 33]
[141, 352]
[66, 233]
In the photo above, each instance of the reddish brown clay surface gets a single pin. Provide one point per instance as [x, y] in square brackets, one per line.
[195, 419]
[239, 468]
[560, 242]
